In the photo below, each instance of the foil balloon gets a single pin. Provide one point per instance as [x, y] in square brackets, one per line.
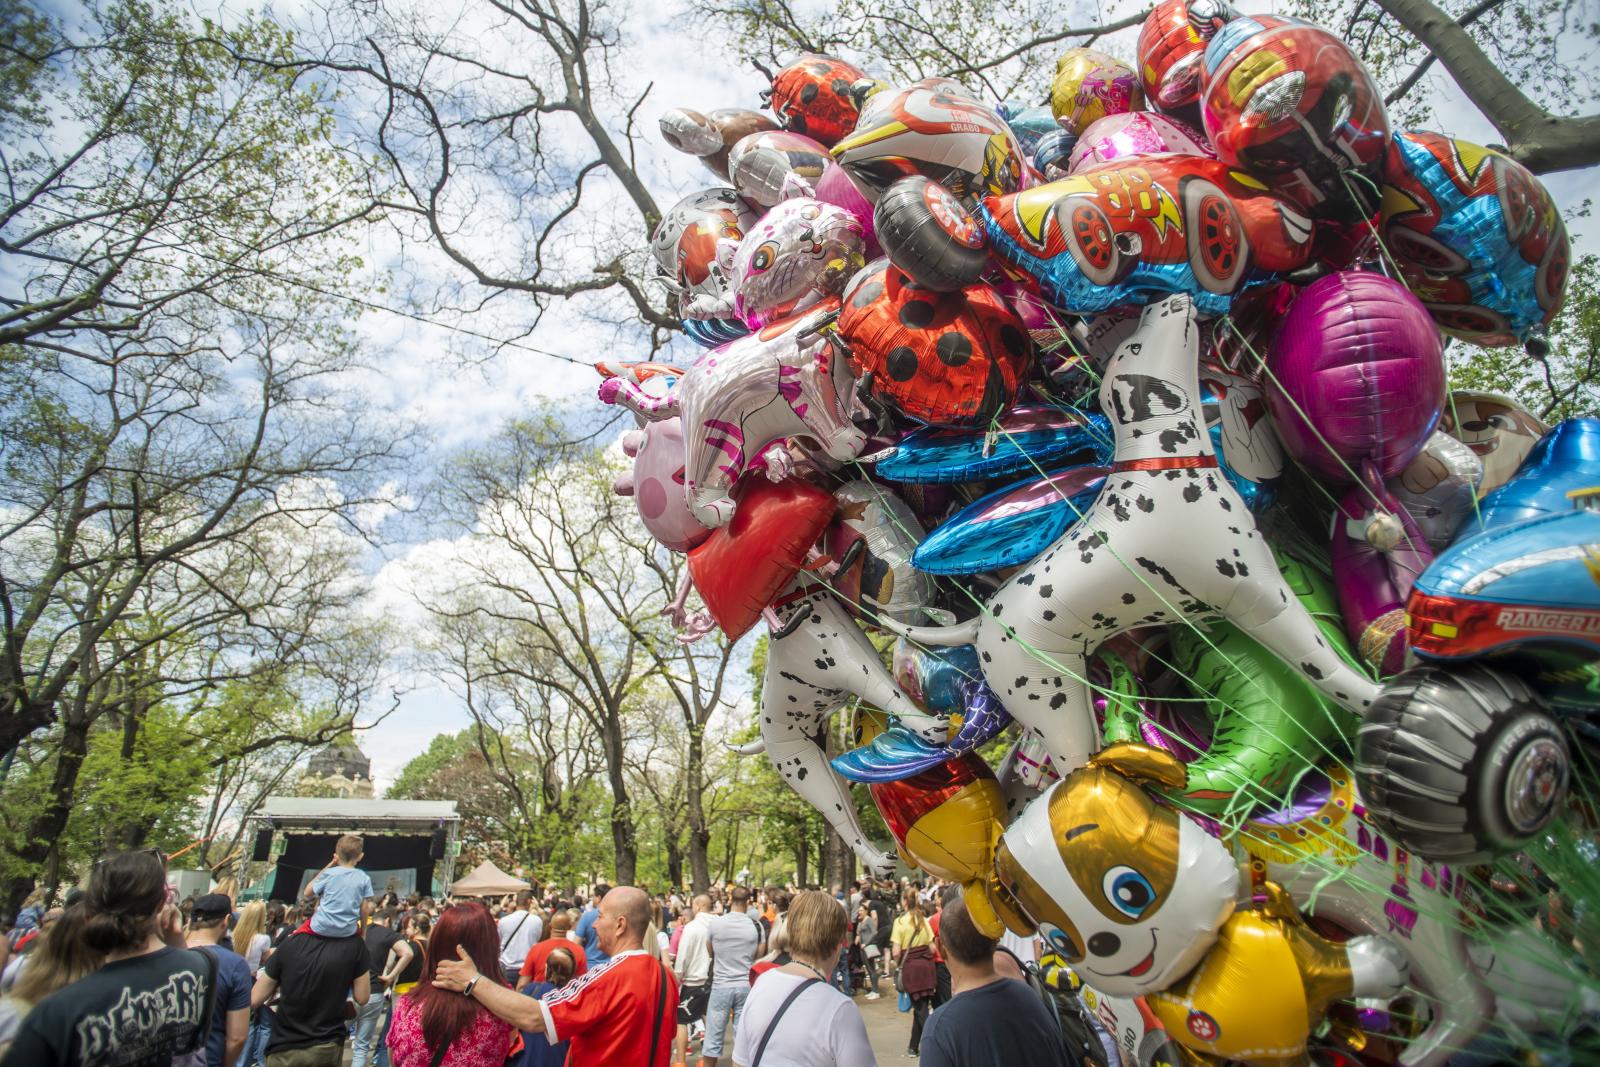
[711, 333]
[740, 568]
[819, 662]
[954, 359]
[1171, 51]
[1010, 526]
[1461, 764]
[656, 484]
[685, 242]
[1098, 866]
[1138, 228]
[820, 96]
[1052, 156]
[1477, 237]
[936, 678]
[877, 580]
[712, 134]
[1561, 464]
[1028, 122]
[1498, 430]
[935, 129]
[1439, 489]
[764, 167]
[943, 818]
[736, 400]
[1134, 133]
[1377, 552]
[797, 254]
[899, 753]
[929, 235]
[1292, 104]
[836, 188]
[1026, 436]
[1247, 446]
[1265, 713]
[1264, 988]
[1090, 85]
[1356, 375]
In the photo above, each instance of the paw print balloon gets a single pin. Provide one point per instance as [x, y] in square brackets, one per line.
[952, 359]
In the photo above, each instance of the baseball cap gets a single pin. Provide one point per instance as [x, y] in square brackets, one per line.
[212, 906]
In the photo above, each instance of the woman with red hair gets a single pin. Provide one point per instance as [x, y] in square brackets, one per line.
[434, 1027]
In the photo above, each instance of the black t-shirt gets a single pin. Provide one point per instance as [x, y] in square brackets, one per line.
[998, 1025]
[132, 1013]
[313, 975]
[885, 916]
[379, 940]
[412, 971]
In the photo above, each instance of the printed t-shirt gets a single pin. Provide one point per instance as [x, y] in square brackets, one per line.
[607, 1015]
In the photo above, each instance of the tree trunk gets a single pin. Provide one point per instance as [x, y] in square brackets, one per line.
[675, 862]
[624, 842]
[1540, 141]
[43, 830]
[802, 866]
[699, 830]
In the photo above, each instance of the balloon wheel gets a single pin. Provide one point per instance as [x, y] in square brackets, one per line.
[1092, 243]
[1217, 249]
[1469, 321]
[1551, 278]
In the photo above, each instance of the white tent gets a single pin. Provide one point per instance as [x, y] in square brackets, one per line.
[487, 880]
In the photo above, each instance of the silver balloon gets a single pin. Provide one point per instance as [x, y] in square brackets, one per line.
[1439, 486]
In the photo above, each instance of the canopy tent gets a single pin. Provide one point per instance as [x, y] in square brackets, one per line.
[487, 880]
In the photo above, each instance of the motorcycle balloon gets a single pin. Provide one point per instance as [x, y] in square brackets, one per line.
[1356, 375]
[1290, 102]
[1477, 237]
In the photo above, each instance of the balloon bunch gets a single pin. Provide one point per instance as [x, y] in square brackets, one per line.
[1132, 428]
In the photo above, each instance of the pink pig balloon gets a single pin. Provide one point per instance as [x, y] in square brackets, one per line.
[656, 484]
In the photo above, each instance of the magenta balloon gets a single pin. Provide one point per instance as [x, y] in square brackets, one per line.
[836, 188]
[1357, 376]
[1135, 133]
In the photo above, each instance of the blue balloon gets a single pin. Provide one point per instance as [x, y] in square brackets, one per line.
[709, 333]
[1029, 437]
[1054, 149]
[1030, 124]
[898, 753]
[1010, 526]
[939, 677]
[1565, 459]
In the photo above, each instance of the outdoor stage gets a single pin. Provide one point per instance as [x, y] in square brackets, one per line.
[411, 845]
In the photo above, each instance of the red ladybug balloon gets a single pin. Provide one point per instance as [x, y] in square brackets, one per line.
[820, 97]
[1289, 102]
[951, 359]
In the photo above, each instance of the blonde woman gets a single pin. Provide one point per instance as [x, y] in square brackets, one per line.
[793, 1016]
[250, 938]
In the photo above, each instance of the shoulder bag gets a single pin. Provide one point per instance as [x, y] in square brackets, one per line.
[772, 1027]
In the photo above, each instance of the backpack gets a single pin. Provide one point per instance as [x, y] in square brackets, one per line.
[196, 1057]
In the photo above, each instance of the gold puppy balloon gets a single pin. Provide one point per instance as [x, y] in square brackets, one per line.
[1141, 901]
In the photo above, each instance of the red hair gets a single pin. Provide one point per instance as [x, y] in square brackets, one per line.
[445, 1014]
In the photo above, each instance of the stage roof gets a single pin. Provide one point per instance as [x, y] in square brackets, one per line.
[324, 812]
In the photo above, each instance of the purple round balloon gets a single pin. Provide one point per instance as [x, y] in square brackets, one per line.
[1357, 376]
[1135, 133]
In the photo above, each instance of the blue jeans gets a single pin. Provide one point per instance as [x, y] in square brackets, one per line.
[369, 1018]
[727, 1004]
[255, 1043]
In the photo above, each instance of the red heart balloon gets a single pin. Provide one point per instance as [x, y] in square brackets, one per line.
[742, 566]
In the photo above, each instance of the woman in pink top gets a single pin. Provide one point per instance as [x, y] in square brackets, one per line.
[429, 1018]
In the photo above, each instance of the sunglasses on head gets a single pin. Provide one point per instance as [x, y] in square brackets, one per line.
[161, 857]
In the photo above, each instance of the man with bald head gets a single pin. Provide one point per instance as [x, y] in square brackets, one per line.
[621, 1012]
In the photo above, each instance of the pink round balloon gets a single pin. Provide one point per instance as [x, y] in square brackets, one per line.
[836, 188]
[1135, 133]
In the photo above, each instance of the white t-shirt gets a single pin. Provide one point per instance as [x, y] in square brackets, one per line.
[255, 950]
[519, 932]
[822, 1028]
[1024, 947]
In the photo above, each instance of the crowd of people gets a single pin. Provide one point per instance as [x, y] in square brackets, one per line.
[122, 974]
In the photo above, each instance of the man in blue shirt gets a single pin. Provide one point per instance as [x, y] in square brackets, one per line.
[230, 1022]
[593, 954]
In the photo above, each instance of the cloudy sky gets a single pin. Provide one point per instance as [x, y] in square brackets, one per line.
[450, 382]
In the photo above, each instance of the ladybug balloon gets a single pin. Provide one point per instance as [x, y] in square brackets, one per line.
[1289, 102]
[953, 359]
[820, 97]
[1477, 237]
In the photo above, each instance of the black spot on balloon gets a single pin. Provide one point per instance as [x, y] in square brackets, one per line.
[1026, 579]
[800, 773]
[1049, 615]
[1128, 598]
[1145, 504]
[902, 363]
[1311, 670]
[1057, 701]
[1022, 680]
[953, 348]
[867, 293]
[808, 94]
[1225, 568]
[916, 314]
[1191, 493]
[1046, 590]
[1013, 340]
[840, 87]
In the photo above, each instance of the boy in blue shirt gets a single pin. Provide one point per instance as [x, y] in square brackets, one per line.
[342, 889]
